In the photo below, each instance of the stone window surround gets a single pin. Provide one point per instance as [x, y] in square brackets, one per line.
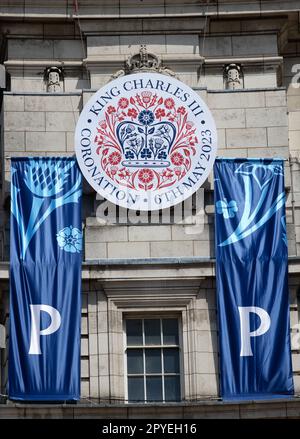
[156, 297]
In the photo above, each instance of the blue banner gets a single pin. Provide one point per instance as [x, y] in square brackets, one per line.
[252, 279]
[45, 279]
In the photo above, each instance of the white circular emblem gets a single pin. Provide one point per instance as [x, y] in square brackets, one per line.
[145, 141]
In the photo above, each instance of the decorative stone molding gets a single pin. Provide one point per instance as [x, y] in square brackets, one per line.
[159, 293]
[64, 9]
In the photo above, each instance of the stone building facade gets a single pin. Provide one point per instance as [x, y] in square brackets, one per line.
[243, 58]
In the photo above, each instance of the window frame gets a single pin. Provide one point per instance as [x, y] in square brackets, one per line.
[154, 315]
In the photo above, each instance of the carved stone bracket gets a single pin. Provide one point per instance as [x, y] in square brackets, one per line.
[233, 76]
[53, 77]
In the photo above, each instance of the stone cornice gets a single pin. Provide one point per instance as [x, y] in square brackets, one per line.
[249, 61]
[31, 64]
[129, 270]
[114, 61]
[94, 62]
[94, 9]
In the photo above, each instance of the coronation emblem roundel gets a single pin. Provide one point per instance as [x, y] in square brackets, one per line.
[146, 141]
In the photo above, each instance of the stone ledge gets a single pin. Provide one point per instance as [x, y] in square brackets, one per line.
[162, 268]
[206, 408]
[43, 93]
[249, 60]
[177, 58]
[64, 10]
[31, 63]
[94, 90]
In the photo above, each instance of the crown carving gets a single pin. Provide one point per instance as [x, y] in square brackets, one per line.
[143, 61]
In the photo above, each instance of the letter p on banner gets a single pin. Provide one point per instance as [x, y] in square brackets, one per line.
[36, 332]
[246, 334]
[251, 272]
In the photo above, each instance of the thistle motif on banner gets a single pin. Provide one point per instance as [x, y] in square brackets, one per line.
[46, 180]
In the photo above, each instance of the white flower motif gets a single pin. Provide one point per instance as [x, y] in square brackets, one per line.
[70, 239]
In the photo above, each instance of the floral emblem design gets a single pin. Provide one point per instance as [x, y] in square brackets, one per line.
[146, 142]
[146, 117]
[123, 103]
[114, 158]
[228, 210]
[169, 103]
[177, 159]
[146, 176]
[69, 239]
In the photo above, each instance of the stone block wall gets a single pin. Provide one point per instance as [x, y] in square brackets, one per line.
[39, 124]
[95, 374]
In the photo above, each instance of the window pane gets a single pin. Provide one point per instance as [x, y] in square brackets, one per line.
[153, 360]
[135, 389]
[170, 331]
[152, 331]
[135, 361]
[171, 360]
[154, 388]
[134, 332]
[172, 388]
